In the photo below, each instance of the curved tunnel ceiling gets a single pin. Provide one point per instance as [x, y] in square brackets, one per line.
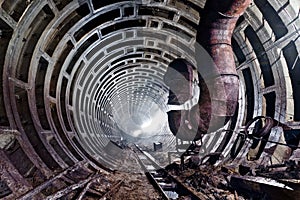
[78, 74]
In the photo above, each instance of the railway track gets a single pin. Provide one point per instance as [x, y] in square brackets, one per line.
[166, 184]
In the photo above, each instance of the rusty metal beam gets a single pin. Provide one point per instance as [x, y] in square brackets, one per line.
[73, 187]
[85, 189]
[39, 188]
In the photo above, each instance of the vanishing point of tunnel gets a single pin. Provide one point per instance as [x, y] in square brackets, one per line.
[206, 89]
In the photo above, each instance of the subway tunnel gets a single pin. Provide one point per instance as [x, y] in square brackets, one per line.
[79, 77]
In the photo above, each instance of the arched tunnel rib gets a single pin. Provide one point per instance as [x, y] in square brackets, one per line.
[79, 75]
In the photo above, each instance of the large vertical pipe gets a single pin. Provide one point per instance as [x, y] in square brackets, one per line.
[214, 34]
[219, 81]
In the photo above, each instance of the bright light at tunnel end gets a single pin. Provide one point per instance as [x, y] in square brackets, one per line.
[146, 123]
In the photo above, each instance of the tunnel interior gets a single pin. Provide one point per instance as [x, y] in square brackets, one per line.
[79, 77]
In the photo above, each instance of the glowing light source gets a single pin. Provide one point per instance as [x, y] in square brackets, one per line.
[146, 123]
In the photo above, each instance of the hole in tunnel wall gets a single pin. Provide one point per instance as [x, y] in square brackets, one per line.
[78, 70]
[153, 24]
[28, 126]
[261, 56]
[57, 67]
[99, 4]
[80, 50]
[170, 49]
[187, 23]
[158, 0]
[122, 68]
[121, 45]
[148, 50]
[270, 104]
[60, 4]
[178, 31]
[109, 85]
[119, 75]
[54, 187]
[39, 89]
[5, 36]
[65, 26]
[53, 142]
[249, 93]
[83, 106]
[37, 27]
[122, 58]
[97, 21]
[128, 11]
[238, 51]
[98, 93]
[63, 137]
[168, 56]
[182, 46]
[86, 87]
[123, 25]
[15, 8]
[293, 62]
[100, 68]
[93, 63]
[240, 20]
[157, 12]
[63, 103]
[104, 42]
[272, 17]
[188, 5]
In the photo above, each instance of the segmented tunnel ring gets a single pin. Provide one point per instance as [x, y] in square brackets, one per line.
[70, 67]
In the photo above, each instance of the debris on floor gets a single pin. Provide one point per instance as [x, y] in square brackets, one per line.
[134, 186]
[231, 181]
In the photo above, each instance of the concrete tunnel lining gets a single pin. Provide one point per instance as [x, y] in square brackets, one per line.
[69, 66]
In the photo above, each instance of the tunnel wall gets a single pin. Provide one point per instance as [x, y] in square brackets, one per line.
[53, 54]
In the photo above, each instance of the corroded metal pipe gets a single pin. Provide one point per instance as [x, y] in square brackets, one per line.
[268, 123]
[219, 81]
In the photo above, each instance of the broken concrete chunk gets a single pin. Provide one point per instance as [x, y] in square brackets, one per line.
[7, 138]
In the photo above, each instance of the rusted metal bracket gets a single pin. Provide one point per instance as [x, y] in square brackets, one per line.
[73, 187]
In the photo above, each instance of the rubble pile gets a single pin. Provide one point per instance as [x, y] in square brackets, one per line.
[234, 181]
[210, 181]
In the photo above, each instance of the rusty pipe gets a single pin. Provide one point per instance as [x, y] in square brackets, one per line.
[219, 81]
[269, 123]
[214, 34]
[262, 131]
